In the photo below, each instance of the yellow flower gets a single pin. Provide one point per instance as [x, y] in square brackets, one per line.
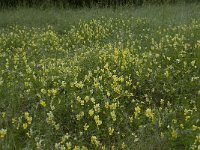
[3, 133]
[198, 138]
[137, 111]
[25, 125]
[3, 114]
[106, 66]
[86, 127]
[94, 140]
[113, 115]
[113, 106]
[187, 118]
[54, 92]
[182, 126]
[69, 145]
[79, 85]
[193, 63]
[110, 130]
[174, 134]
[131, 119]
[63, 84]
[26, 115]
[97, 108]
[97, 120]
[92, 100]
[29, 120]
[174, 121]
[13, 120]
[87, 98]
[162, 101]
[106, 105]
[186, 112]
[43, 103]
[108, 93]
[123, 146]
[166, 73]
[78, 99]
[113, 148]
[76, 148]
[82, 102]
[91, 112]
[149, 113]
[80, 115]
[194, 128]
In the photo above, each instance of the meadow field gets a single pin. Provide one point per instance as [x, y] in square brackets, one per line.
[100, 78]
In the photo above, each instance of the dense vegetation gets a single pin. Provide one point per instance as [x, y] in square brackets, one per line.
[87, 3]
[106, 83]
[94, 79]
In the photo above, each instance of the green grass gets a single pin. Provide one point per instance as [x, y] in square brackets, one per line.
[62, 19]
[100, 78]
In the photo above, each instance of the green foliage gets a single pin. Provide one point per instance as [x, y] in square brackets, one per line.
[107, 83]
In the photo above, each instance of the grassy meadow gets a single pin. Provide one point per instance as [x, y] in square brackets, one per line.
[100, 78]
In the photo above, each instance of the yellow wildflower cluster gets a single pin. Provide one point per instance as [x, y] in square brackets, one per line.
[3, 133]
[100, 85]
